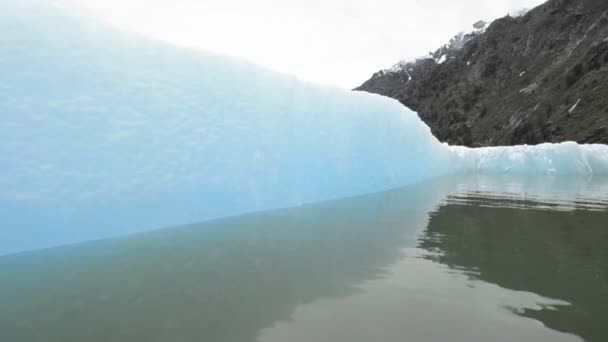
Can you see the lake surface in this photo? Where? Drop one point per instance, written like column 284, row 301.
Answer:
column 467, row 259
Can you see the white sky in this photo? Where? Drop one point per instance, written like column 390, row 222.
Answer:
column 337, row 42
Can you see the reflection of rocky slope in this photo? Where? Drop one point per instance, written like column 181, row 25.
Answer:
column 555, row 254
column 540, row 77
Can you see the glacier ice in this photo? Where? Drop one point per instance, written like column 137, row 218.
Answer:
column 106, row 133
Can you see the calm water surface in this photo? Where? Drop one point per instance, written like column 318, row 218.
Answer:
column 469, row 259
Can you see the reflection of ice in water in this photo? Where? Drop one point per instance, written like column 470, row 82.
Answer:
column 344, row 270
column 420, row 300
column 549, row 192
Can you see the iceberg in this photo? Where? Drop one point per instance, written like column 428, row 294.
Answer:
column 106, row 133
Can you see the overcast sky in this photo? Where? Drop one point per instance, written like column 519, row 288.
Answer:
column 338, row 42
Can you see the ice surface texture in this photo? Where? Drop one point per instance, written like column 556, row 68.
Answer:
column 105, row 133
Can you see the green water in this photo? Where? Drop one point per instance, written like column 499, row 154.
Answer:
column 471, row 259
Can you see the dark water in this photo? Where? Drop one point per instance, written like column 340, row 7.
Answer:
column 470, row 259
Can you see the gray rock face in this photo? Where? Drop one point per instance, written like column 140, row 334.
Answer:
column 480, row 24
column 540, row 77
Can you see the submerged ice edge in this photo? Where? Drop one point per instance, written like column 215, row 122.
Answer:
column 106, row 133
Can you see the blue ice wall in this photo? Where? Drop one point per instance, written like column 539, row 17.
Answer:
column 106, row 133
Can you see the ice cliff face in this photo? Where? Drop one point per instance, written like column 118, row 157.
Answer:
column 105, row 133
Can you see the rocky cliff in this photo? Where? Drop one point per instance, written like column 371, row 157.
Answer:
column 538, row 77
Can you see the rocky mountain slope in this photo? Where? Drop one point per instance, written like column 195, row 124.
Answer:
column 539, row 77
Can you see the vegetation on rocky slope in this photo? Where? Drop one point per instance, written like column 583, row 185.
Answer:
column 540, row 77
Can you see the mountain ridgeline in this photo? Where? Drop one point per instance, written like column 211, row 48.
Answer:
column 539, row 77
